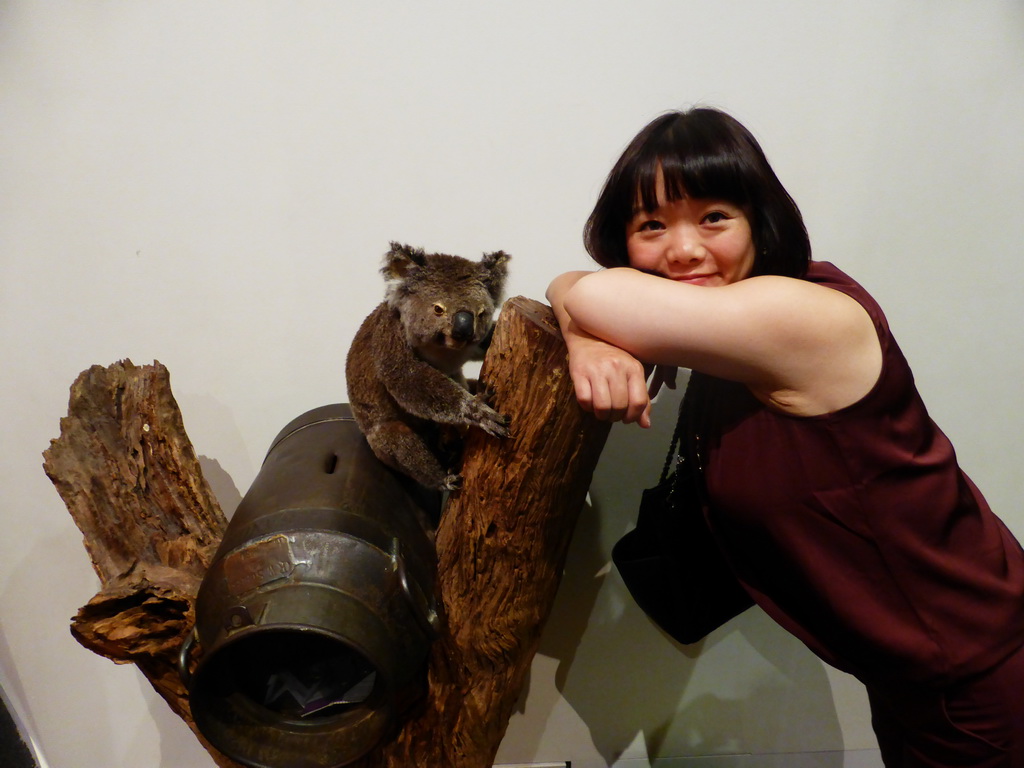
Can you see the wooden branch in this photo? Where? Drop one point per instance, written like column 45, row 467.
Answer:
column 130, row 479
column 126, row 471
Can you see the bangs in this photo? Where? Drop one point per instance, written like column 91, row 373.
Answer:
column 708, row 169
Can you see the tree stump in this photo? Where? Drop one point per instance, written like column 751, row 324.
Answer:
column 130, row 479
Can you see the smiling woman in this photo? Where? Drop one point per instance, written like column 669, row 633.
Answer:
column 694, row 199
column 837, row 502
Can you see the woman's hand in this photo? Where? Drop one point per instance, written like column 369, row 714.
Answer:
column 610, row 383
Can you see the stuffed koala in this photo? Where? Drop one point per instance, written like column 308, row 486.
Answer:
column 404, row 368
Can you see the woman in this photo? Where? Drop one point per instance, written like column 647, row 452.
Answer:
column 837, row 501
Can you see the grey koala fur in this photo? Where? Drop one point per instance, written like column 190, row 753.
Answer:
column 404, row 368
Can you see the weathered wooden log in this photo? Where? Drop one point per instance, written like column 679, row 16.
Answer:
column 130, row 479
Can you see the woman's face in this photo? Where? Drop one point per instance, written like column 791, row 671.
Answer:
column 692, row 240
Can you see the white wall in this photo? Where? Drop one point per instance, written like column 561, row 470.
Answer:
column 212, row 185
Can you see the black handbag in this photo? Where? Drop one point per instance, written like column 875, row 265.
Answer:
column 670, row 562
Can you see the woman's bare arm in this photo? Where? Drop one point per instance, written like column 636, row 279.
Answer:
column 802, row 348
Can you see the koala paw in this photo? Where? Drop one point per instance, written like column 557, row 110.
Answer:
column 452, row 483
column 488, row 419
column 481, row 391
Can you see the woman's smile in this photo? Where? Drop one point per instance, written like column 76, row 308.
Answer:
column 692, row 240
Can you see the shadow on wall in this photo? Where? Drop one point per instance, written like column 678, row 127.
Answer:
column 222, row 485
column 748, row 688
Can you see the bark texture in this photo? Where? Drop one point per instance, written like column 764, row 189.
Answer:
column 128, row 474
column 130, row 479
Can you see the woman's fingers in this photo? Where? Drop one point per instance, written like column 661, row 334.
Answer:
column 611, row 385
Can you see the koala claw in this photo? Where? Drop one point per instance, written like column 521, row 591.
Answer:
column 499, row 428
column 484, row 392
column 489, row 420
column 452, row 483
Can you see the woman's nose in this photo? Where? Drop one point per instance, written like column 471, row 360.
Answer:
column 686, row 247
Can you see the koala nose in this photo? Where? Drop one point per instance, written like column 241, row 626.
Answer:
column 462, row 326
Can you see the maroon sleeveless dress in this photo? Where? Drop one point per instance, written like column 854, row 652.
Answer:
column 857, row 530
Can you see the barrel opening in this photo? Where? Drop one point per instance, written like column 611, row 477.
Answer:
column 294, row 676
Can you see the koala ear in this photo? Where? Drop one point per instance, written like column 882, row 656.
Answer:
column 401, row 261
column 493, row 271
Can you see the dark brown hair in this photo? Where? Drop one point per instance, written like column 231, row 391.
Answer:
column 703, row 153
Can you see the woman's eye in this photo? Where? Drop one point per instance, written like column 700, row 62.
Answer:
column 650, row 225
column 714, row 217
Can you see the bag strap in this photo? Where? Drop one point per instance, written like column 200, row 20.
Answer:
column 685, row 447
column 684, row 426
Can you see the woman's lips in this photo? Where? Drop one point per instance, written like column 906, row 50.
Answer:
column 695, row 279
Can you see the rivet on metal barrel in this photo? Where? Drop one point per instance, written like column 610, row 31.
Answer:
column 315, row 618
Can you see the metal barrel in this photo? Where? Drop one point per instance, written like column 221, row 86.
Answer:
column 316, row 615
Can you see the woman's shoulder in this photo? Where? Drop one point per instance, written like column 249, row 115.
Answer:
column 829, row 275
column 821, row 340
